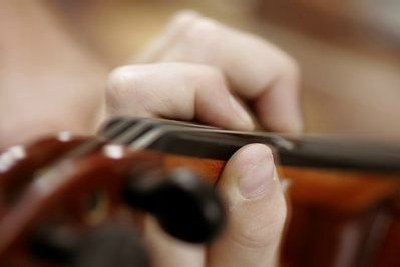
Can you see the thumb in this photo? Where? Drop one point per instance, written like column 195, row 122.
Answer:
column 256, row 210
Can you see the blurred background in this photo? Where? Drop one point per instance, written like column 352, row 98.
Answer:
column 348, row 50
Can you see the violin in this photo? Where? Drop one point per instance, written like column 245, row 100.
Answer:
column 60, row 195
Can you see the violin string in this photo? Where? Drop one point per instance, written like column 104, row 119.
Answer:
column 145, row 133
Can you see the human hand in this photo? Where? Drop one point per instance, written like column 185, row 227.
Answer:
column 194, row 88
column 229, row 63
column 202, row 70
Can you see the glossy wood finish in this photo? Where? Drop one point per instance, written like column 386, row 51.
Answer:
column 341, row 218
column 338, row 217
column 20, row 164
column 62, row 192
column 210, row 169
column 388, row 255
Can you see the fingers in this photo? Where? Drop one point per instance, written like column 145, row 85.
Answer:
column 176, row 91
column 257, row 210
column 165, row 251
column 257, row 70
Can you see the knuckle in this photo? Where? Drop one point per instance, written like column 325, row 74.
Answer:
column 283, row 63
column 121, row 82
column 204, row 26
column 213, row 80
column 115, row 81
column 207, row 77
column 182, row 18
column 214, row 75
column 117, row 78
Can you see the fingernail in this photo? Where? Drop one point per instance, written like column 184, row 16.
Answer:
column 242, row 113
column 256, row 179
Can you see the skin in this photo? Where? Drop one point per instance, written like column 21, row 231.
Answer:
column 242, row 83
column 48, row 81
column 180, row 77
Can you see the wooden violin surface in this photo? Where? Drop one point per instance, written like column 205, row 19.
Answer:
column 343, row 194
column 55, row 190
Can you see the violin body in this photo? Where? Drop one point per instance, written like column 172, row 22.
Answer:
column 344, row 203
column 50, row 185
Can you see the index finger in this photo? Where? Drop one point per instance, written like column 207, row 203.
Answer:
column 257, row 70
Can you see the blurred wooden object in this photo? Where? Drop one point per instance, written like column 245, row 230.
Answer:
column 341, row 218
column 389, row 254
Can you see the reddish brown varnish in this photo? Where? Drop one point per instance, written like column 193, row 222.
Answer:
column 210, row 169
column 342, row 218
column 338, row 217
column 37, row 156
column 62, row 192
